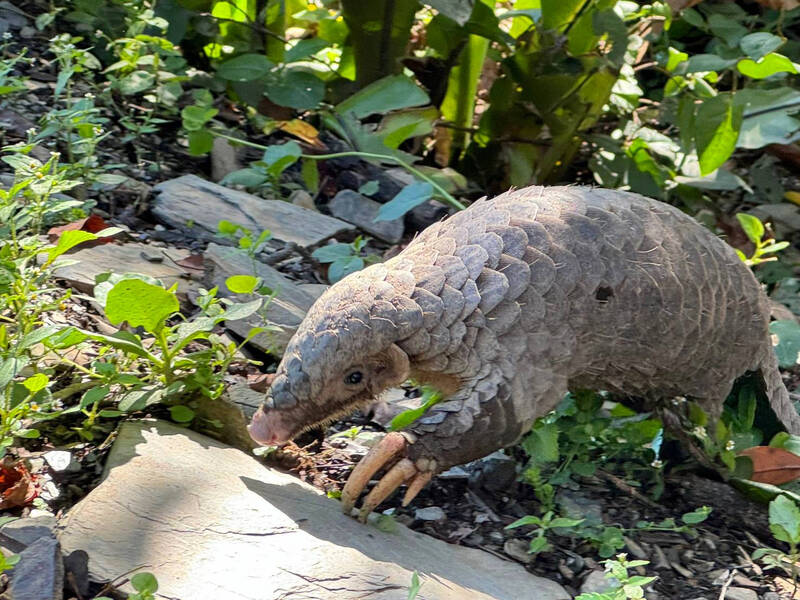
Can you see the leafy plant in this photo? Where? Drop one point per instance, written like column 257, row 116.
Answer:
column 784, row 523
column 343, row 259
column 624, row 586
column 755, row 231
column 543, row 525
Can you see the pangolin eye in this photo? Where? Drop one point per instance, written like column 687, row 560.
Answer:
column 353, row 378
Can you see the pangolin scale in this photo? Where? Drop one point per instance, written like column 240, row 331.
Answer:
column 515, row 300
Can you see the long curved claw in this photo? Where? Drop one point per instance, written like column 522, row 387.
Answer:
column 397, row 475
column 389, row 448
column 421, row 479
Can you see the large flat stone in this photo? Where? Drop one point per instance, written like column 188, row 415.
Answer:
column 212, row 522
column 284, row 313
column 196, row 206
column 126, row 258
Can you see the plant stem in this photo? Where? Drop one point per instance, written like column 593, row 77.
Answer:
column 445, row 195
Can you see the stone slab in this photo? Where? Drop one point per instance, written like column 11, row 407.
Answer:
column 212, row 522
column 196, row 207
column 126, row 258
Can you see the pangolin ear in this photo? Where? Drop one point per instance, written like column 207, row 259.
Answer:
column 392, row 367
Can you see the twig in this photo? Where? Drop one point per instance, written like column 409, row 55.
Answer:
column 726, row 585
column 628, row 489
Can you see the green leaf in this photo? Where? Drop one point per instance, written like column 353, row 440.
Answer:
column 305, row 48
column 413, row 589
column 195, row 117
column 249, row 178
column 527, row 520
column 93, row 396
column 297, row 89
column 784, row 520
column 565, row 522
column 786, row 341
column 541, row 444
column 457, row 10
column 707, row 62
column 332, row 252
column 140, row 304
column 757, row 45
column 767, row 116
column 717, row 128
column 369, row 188
column 343, row 267
column 245, row 67
column 67, row 241
column 752, row 226
column 241, row 310
column 144, row 583
column 696, row 516
column 406, row 199
column 200, row 142
column 407, row 417
column 36, row 382
column 181, row 414
column 136, row 82
column 279, row 157
column 767, row 66
column 242, row 284
column 387, row 94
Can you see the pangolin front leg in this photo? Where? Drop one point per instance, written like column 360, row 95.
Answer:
column 390, row 452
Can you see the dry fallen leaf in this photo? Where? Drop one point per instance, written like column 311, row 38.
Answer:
column 306, row 132
column 193, row 262
column 772, row 465
column 17, row 486
column 92, row 224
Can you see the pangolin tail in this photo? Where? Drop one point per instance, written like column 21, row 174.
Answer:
column 778, row 394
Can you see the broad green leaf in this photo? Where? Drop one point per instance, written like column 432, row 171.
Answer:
column 407, row 417
column 387, row 94
column 242, row 284
column 676, row 57
column 140, row 304
column 527, row 520
column 752, row 226
column 36, row 383
column 767, row 66
column 696, row 516
column 241, row 310
column 296, row 89
column 558, row 13
column 249, row 178
column 144, row 583
column 305, row 48
column 707, row 62
column 181, row 414
column 200, row 142
column 195, row 117
column 768, row 116
column 70, row 239
column 93, row 396
column 332, row 252
column 279, row 157
column 786, row 341
column 717, row 126
column 245, row 67
column 784, row 520
column 565, row 522
column 136, row 82
column 406, row 199
column 541, row 444
column 759, row 44
column 457, row 10
column 727, row 28
column 343, row 267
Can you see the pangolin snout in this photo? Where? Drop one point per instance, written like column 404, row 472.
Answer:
column 270, row 427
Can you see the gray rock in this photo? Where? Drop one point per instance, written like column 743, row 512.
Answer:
column 39, row 574
column 303, row 199
column 61, row 460
column 430, row 513
column 11, row 17
column 596, row 582
column 21, row 533
column 223, row 159
column 197, row 206
column 283, row 314
column 354, row 208
column 740, row 593
column 496, row 472
column 214, row 523
column 233, row 410
column 577, row 506
column 126, row 258
column 518, row 549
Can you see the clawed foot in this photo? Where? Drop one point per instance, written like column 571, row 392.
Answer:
column 384, row 453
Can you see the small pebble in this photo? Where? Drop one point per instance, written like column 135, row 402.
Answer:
column 61, row 460
column 496, row 537
column 518, row 549
column 430, row 513
column 596, row 582
column 739, row 593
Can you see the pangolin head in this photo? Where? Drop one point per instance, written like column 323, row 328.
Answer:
column 342, row 355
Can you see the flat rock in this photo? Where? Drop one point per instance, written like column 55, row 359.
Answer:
column 359, row 210
column 233, row 410
column 196, row 206
column 127, row 258
column 284, row 313
column 21, row 533
column 212, row 522
column 39, row 574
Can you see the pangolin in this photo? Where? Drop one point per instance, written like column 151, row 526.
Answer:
column 507, row 305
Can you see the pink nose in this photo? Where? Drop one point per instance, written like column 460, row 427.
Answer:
column 269, row 428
